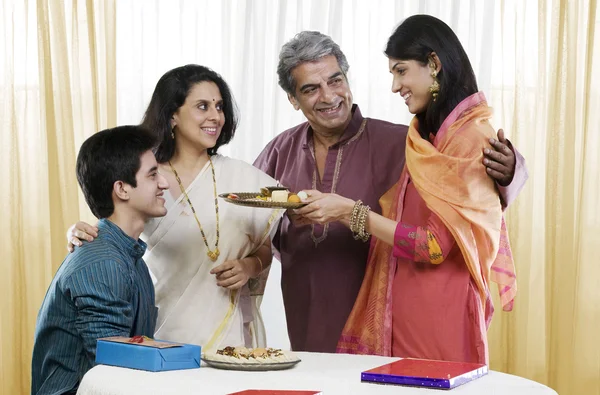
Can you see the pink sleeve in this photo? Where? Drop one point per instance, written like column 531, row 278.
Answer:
column 430, row 244
column 509, row 193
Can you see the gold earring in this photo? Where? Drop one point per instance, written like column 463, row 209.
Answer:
column 173, row 132
column 435, row 86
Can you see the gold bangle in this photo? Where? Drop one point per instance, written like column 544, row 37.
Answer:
column 363, row 230
column 360, row 223
column 354, row 217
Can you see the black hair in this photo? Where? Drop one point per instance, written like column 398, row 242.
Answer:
column 169, row 95
column 109, row 156
column 415, row 39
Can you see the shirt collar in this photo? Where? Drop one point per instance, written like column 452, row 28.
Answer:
column 351, row 130
column 135, row 248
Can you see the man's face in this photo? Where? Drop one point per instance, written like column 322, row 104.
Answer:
column 323, row 95
column 147, row 197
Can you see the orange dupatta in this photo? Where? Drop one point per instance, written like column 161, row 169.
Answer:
column 453, row 183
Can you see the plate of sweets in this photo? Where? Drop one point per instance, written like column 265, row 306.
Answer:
column 268, row 197
column 242, row 358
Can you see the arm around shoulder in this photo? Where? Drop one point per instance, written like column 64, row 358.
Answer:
column 509, row 193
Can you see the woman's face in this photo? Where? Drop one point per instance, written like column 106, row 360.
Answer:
column 200, row 119
column 412, row 80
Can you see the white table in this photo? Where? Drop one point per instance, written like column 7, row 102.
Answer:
column 329, row 373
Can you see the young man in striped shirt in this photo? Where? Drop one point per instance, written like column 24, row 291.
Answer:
column 103, row 288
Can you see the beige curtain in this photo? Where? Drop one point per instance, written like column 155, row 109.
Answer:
column 59, row 78
column 549, row 88
column 58, row 87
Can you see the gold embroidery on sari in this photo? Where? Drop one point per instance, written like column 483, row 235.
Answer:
column 219, row 332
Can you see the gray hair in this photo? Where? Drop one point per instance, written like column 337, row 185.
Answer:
column 306, row 46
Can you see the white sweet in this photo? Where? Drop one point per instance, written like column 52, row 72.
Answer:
column 302, row 195
column 279, row 196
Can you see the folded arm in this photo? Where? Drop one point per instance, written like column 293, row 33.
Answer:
column 234, row 274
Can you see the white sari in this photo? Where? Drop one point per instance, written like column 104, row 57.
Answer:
column 191, row 307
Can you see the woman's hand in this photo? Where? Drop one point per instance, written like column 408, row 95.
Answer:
column 235, row 274
column 80, row 231
column 323, row 208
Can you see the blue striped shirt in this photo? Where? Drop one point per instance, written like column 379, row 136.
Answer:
column 102, row 289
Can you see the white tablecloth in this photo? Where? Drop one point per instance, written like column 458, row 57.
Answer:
column 329, row 373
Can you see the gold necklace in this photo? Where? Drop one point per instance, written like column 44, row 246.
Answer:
column 213, row 255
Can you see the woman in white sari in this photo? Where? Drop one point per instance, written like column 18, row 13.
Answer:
column 209, row 259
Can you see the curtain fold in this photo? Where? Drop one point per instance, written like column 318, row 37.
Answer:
column 58, row 88
column 546, row 95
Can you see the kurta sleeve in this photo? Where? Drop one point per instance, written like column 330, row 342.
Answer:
column 427, row 244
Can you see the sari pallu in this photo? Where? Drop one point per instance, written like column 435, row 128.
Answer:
column 192, row 308
column 450, row 178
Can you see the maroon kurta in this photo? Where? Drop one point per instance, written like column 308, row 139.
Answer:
column 323, row 267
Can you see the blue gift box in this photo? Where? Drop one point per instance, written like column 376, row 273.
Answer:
column 154, row 359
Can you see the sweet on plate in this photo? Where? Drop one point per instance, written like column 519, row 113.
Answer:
column 243, row 355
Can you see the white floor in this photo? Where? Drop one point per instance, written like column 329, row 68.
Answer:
column 272, row 310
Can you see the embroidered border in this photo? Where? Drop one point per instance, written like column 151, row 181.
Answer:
column 219, row 332
column 336, row 174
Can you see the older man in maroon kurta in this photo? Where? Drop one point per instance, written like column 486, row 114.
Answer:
column 337, row 150
column 323, row 266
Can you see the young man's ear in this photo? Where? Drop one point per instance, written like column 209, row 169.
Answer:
column 294, row 102
column 121, row 190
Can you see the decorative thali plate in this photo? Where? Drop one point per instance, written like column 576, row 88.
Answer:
column 250, row 366
column 256, row 199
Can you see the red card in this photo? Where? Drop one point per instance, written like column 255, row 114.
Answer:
column 426, row 368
